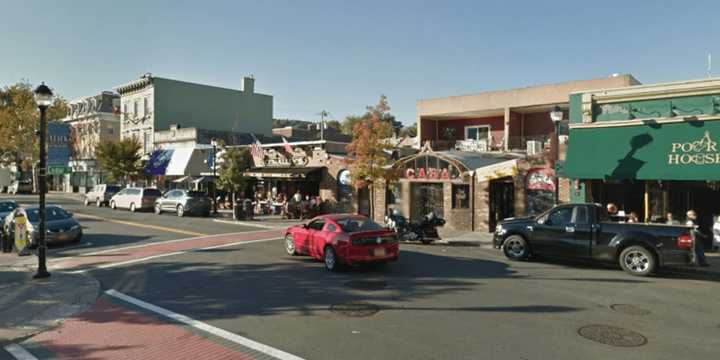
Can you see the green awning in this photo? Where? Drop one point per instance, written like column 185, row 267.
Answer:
column 650, row 151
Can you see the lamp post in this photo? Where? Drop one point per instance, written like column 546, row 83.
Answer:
column 214, row 169
column 556, row 115
column 43, row 98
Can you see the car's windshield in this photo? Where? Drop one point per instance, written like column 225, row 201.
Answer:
column 112, row 189
column 152, row 192
column 51, row 213
column 7, row 206
column 355, row 224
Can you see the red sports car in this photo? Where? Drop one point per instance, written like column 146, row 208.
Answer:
column 343, row 239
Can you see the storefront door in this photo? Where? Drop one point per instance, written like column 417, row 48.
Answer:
column 502, row 200
column 426, row 198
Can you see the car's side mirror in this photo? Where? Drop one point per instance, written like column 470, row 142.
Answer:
column 541, row 221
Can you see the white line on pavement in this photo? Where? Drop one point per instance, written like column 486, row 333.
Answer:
column 133, row 261
column 249, row 224
column 232, row 337
column 153, row 243
column 19, row 352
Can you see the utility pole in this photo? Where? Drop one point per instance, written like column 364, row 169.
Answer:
column 323, row 114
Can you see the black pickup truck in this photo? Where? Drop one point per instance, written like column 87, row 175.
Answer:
column 584, row 231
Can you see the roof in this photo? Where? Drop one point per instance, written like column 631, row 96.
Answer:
column 284, row 172
column 468, row 159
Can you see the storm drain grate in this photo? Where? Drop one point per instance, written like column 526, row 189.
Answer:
column 366, row 284
column 355, row 309
column 629, row 309
column 611, row 335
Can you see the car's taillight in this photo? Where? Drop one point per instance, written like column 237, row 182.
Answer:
column 684, row 241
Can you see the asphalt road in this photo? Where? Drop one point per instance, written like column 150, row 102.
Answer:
column 436, row 302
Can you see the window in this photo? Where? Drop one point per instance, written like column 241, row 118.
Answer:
column 560, row 217
column 147, row 142
column 316, row 225
column 580, row 215
column 460, row 196
column 125, row 112
column 151, row 192
column 478, row 132
column 331, row 228
column 135, row 109
column 357, row 223
column 146, row 107
column 392, row 194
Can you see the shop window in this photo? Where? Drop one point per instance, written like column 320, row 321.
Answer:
column 392, row 194
column 460, row 196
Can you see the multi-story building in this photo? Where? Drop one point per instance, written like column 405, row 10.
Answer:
column 92, row 120
column 152, row 104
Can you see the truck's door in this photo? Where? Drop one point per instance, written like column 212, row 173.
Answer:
column 582, row 222
column 554, row 234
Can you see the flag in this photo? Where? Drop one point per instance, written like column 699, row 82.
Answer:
column 256, row 149
column 287, row 146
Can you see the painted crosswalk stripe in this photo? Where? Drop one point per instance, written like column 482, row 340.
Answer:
column 19, row 352
column 229, row 336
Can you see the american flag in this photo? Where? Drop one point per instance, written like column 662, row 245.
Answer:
column 287, row 146
column 256, row 148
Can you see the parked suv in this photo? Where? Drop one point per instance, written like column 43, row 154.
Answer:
column 101, row 194
column 20, row 187
column 135, row 198
column 184, row 202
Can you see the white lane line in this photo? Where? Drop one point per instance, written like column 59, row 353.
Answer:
column 232, row 337
column 134, row 261
column 249, row 224
column 99, row 252
column 19, row 352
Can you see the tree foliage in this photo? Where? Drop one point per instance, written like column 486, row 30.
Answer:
column 410, row 131
column 19, row 122
column 120, row 160
column 381, row 111
column 234, row 162
column 367, row 150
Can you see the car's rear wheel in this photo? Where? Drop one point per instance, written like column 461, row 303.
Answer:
column 330, row 259
column 86, row 202
column 132, row 207
column 158, row 209
column 638, row 261
column 113, row 205
column 98, row 203
column 516, row 248
column 290, row 245
column 180, row 211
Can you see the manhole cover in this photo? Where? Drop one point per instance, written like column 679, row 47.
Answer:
column 629, row 309
column 366, row 284
column 611, row 335
column 355, row 309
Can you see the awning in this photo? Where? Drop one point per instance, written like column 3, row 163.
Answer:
column 310, row 173
column 158, row 162
column 182, row 179
column 652, row 151
column 179, row 162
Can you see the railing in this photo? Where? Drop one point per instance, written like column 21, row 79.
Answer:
column 517, row 143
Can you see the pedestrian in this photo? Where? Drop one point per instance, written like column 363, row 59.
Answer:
column 612, row 211
column 633, row 217
column 698, row 250
column 670, row 220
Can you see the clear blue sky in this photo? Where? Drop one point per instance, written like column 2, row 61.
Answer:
column 341, row 55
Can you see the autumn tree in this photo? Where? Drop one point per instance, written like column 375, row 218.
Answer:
column 19, row 121
column 232, row 164
column 381, row 111
column 370, row 164
column 120, row 160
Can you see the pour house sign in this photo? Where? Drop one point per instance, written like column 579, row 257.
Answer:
column 699, row 152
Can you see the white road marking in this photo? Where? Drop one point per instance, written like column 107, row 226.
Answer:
column 134, row 261
column 249, row 224
column 151, row 244
column 229, row 336
column 19, row 352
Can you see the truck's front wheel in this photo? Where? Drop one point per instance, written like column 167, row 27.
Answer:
column 516, row 248
column 638, row 261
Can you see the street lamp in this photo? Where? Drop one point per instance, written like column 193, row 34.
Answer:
column 43, row 98
column 556, row 115
column 214, row 169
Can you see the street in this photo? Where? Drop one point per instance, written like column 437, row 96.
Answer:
column 241, row 291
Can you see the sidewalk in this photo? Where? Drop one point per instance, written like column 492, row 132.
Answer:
column 30, row 306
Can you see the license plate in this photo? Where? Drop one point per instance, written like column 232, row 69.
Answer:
column 379, row 252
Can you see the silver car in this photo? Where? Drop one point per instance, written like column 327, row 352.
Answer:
column 60, row 225
column 100, row 194
column 183, row 202
column 135, row 198
column 20, row 187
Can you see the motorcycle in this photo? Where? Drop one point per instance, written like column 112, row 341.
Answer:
column 424, row 231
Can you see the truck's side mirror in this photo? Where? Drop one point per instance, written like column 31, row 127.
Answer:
column 541, row 221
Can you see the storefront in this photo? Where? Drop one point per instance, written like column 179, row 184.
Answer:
column 472, row 191
column 649, row 149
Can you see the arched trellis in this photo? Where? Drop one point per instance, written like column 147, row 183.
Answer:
column 430, row 165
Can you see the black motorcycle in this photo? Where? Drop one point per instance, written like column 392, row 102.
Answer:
column 424, row 231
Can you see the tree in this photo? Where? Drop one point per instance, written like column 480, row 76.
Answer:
column 348, row 125
column 370, row 163
column 334, row 124
column 119, row 159
column 19, row 121
column 381, row 111
column 233, row 163
column 410, row 131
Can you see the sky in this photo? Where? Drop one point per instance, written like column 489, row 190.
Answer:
column 340, row 56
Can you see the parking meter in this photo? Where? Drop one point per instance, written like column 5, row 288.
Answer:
column 21, row 233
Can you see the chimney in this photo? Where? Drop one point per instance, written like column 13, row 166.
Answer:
column 249, row 84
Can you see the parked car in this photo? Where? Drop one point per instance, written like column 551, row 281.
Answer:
column 60, row 225
column 716, row 234
column 135, row 198
column 183, row 202
column 343, row 239
column 100, row 194
column 7, row 207
column 20, row 187
column 584, row 231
